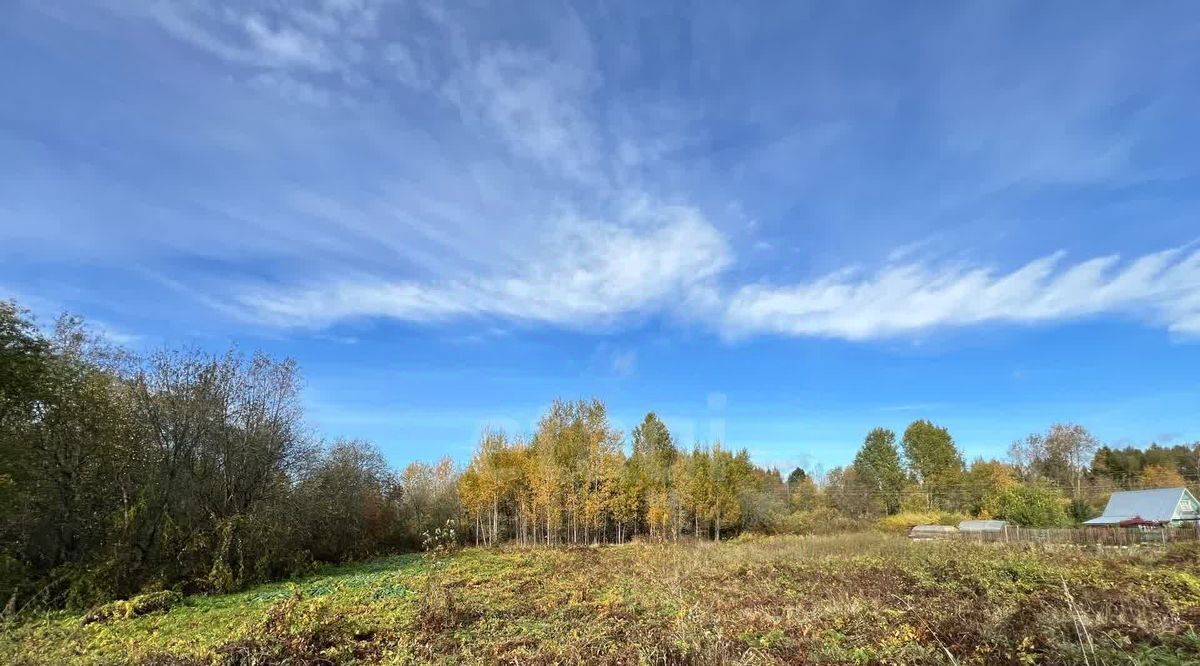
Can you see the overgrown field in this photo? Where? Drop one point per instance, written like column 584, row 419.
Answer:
column 846, row 599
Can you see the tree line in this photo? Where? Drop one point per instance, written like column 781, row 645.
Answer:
column 572, row 483
column 1057, row 478
column 179, row 469
column 190, row 470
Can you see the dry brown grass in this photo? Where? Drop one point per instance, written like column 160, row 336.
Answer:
column 861, row 598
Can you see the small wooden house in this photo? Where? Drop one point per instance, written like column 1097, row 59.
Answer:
column 1161, row 507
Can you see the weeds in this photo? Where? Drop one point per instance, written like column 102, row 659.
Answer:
column 858, row 598
column 144, row 604
column 439, row 609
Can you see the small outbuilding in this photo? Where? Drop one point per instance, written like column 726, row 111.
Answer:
column 1159, row 508
column 930, row 532
column 986, row 529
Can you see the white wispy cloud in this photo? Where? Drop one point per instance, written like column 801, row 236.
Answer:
column 599, row 274
column 46, row 312
column 1161, row 288
column 593, row 266
column 587, row 273
column 116, row 335
column 523, row 172
column 534, row 104
column 603, row 246
column 286, row 46
column 624, row 363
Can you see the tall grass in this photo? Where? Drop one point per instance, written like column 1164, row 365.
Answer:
column 848, row 598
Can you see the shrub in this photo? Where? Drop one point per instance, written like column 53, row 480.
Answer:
column 143, row 604
column 12, row 576
column 818, row 521
column 1032, row 505
column 301, row 631
column 1079, row 511
column 438, row 604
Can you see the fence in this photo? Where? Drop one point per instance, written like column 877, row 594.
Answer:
column 1105, row 536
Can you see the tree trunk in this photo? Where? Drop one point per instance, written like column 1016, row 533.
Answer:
column 495, row 521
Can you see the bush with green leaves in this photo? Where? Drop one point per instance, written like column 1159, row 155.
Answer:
column 143, row 604
column 1031, row 505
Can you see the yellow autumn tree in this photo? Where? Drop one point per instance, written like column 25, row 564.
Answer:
column 1161, row 476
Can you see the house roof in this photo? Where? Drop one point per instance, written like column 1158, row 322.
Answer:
column 1114, row 520
column 1151, row 506
column 1106, row 520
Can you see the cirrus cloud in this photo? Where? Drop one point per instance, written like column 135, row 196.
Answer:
column 586, row 273
column 430, row 163
column 1162, row 287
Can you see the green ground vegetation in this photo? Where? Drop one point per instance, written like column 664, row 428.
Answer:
column 843, row 599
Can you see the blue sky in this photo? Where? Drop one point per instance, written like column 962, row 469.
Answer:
column 779, row 226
